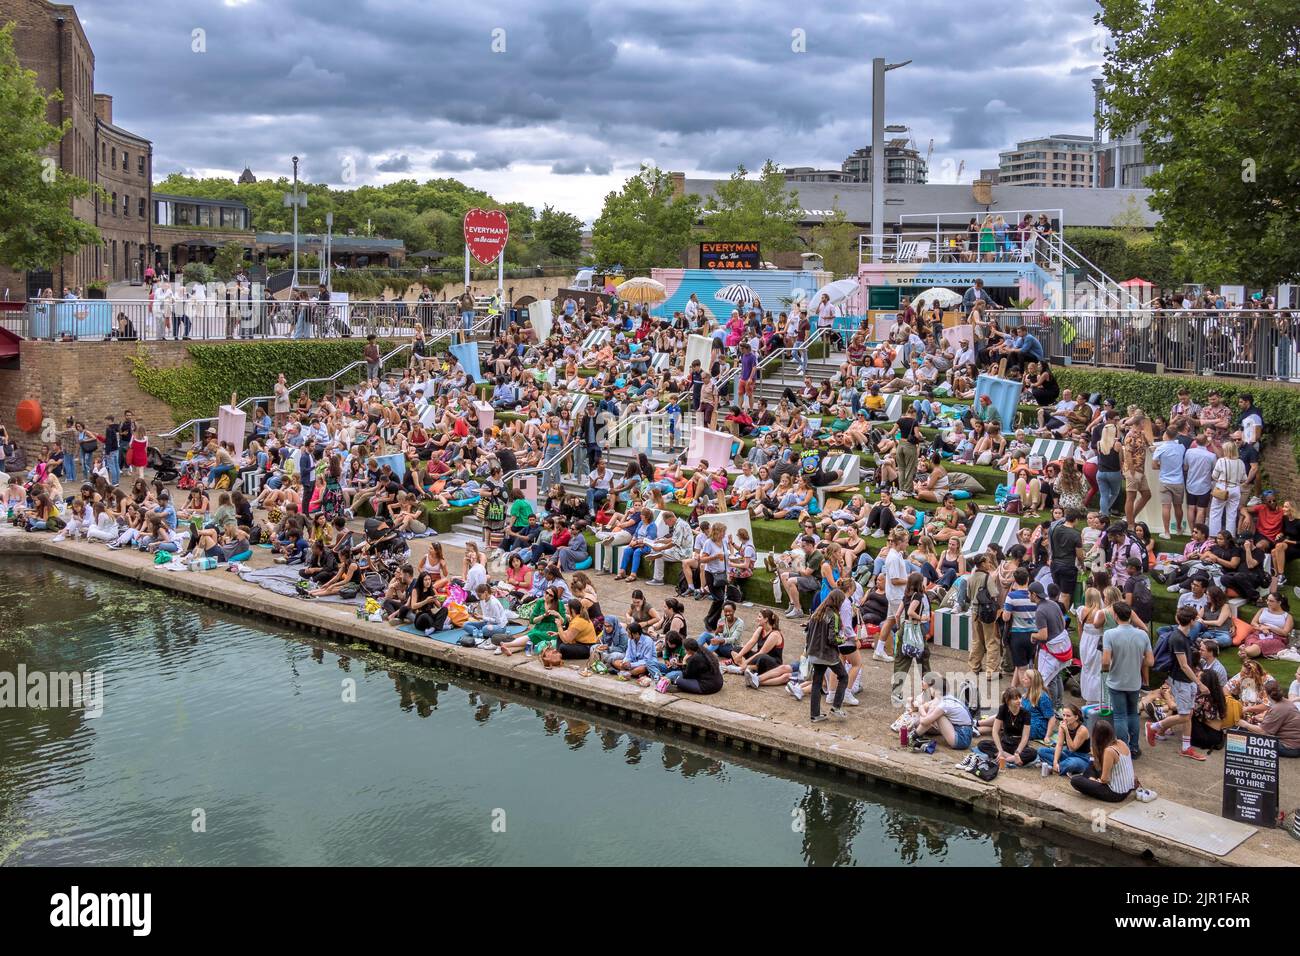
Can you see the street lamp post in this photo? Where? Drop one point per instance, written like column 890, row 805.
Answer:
column 878, row 70
column 294, row 200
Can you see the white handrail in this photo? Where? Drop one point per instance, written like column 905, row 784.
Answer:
column 383, row 360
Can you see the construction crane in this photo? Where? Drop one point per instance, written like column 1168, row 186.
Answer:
column 929, row 152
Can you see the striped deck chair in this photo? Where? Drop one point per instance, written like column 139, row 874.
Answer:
column 893, row 408
column 990, row 529
column 595, row 340
column 1050, row 449
column 850, row 468
column 660, row 361
column 253, row 481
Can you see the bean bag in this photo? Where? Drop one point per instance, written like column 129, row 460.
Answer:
column 464, row 502
column 584, row 564
column 961, row 494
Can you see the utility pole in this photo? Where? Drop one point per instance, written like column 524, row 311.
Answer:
column 329, row 251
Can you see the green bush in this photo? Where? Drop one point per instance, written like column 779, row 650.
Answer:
column 197, row 389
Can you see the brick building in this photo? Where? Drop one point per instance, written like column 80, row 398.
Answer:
column 50, row 41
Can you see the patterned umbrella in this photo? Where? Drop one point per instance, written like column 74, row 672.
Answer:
column 736, row 294
column 641, row 290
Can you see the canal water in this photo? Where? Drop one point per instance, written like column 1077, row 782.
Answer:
column 224, row 741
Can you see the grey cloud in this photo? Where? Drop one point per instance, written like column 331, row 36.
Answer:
column 394, row 164
column 695, row 87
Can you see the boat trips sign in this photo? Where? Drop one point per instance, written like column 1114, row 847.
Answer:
column 1250, row 778
column 742, row 256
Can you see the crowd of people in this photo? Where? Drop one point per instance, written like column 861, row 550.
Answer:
column 869, row 563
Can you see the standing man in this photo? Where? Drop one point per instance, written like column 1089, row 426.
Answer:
column 1198, row 463
column 494, row 312
column 373, row 368
column 1126, row 659
column 111, row 439
column 1168, row 457
column 71, row 450
column 1066, row 546
column 975, row 294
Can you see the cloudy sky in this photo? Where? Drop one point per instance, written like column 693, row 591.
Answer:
column 552, row 101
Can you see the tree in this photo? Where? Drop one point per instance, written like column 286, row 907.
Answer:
column 560, row 233
column 228, row 261
column 1215, row 85
column 37, row 226
column 836, row 241
column 745, row 210
column 644, row 224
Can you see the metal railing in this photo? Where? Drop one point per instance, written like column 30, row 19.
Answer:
column 550, row 467
column 225, row 317
column 798, row 352
column 1237, row 343
column 957, row 246
column 253, row 401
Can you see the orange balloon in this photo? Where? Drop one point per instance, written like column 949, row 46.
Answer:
column 29, row 415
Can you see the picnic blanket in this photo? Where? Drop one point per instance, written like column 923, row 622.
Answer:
column 283, row 579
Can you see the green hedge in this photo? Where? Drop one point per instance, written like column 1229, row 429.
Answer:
column 198, row 388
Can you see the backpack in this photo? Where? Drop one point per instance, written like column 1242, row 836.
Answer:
column 1164, row 654
column 985, row 606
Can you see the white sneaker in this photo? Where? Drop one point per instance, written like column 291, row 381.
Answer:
column 1144, row 795
column 851, row 700
column 793, row 612
column 57, row 538
column 877, row 533
column 753, row 680
column 838, row 713
column 1164, row 536
column 732, row 669
column 795, row 689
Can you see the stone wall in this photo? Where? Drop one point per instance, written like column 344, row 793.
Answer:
column 84, row 380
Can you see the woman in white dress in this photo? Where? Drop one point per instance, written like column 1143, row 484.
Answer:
column 1091, row 619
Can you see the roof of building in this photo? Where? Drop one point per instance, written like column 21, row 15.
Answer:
column 123, row 133
column 1081, row 206
column 357, row 244
column 247, row 176
column 202, row 200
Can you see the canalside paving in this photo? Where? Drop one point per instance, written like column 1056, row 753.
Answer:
column 767, row 721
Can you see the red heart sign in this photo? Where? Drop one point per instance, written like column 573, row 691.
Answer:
column 486, row 233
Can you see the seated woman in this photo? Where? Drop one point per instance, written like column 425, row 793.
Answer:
column 949, row 716
column 1213, row 713
column 760, row 657
column 1215, row 615
column 518, row 580
column 1070, row 755
column 1109, row 776
column 578, row 637
column 546, row 619
column 1029, row 489
column 883, row 517
column 933, row 486
column 489, row 620
column 1270, row 628
column 573, row 552
column 700, row 672
column 352, row 566
column 1010, row 732
column 1250, row 687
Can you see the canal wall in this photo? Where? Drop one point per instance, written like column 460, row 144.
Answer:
column 1020, row 799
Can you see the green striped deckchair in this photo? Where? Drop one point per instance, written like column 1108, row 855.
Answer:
column 990, row 529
